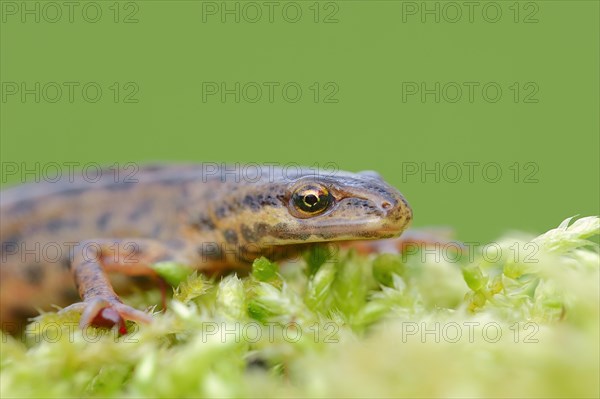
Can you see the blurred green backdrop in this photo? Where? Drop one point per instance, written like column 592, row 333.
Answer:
column 462, row 91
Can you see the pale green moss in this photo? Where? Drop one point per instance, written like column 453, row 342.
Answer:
column 522, row 324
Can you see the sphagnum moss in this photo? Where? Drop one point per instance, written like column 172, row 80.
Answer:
column 523, row 325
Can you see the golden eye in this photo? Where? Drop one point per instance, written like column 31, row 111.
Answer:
column 312, row 199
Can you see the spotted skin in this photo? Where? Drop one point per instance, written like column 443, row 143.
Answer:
column 61, row 236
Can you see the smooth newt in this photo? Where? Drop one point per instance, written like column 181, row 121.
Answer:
column 52, row 234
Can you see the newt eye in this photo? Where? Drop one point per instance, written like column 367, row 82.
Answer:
column 312, row 199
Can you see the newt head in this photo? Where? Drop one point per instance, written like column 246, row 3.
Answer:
column 312, row 207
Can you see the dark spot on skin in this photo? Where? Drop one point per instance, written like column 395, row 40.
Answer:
column 268, row 200
column 23, row 207
column 203, row 223
column 261, row 230
column 34, row 273
column 280, row 227
column 176, row 244
column 248, row 234
column 144, row 208
column 173, row 181
column 153, row 168
column 326, row 236
column 280, row 230
column 210, row 251
column 102, row 221
column 281, row 198
column 368, row 234
column 157, row 229
column 221, row 212
column 11, row 244
column 73, row 192
column 371, row 210
column 230, row 236
column 65, row 263
column 366, row 206
column 251, row 202
column 56, row 225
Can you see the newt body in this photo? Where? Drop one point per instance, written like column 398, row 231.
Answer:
column 54, row 233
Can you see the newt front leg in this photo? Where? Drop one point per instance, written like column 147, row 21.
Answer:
column 91, row 260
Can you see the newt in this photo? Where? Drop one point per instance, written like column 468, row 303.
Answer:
column 59, row 239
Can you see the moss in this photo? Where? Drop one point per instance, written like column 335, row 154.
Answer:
column 523, row 324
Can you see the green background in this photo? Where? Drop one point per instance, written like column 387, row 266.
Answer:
column 369, row 54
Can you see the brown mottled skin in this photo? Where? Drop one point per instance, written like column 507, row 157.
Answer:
column 212, row 219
